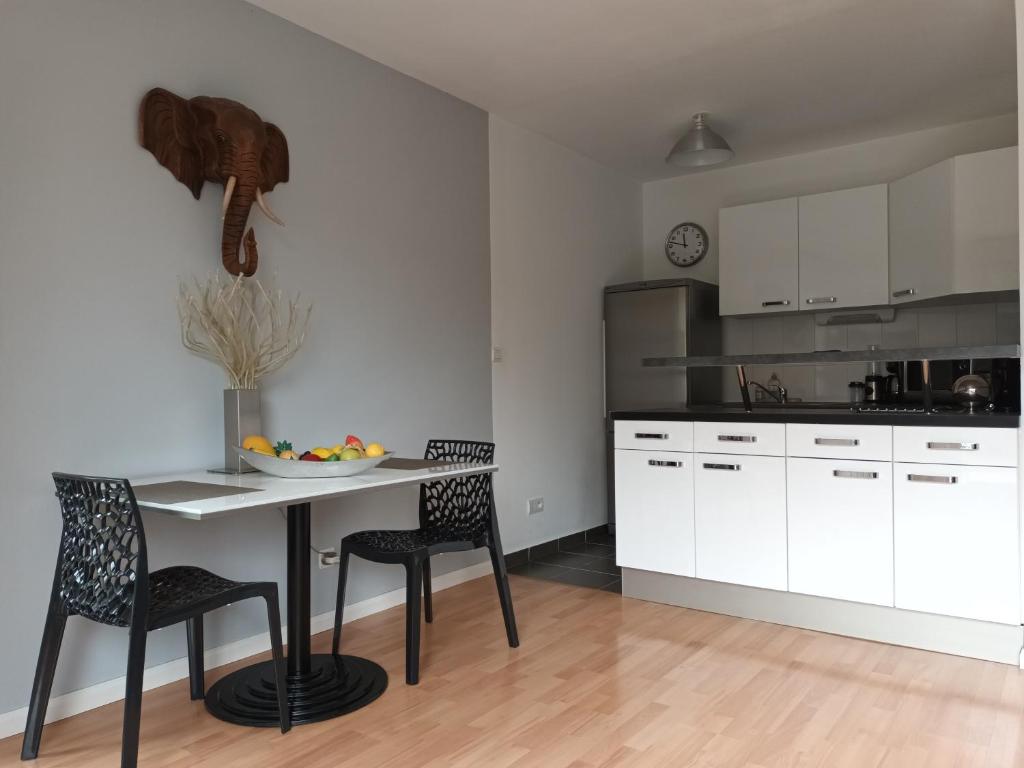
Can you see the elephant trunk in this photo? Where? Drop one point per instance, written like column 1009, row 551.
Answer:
column 235, row 218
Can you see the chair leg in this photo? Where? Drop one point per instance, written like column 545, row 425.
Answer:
column 428, row 593
column 280, row 672
column 339, row 609
column 133, row 697
column 196, row 672
column 413, row 587
column 504, row 594
column 49, row 650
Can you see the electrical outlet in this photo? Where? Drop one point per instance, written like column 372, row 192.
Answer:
column 535, row 505
column 328, row 557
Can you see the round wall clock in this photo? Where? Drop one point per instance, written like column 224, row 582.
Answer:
column 686, row 244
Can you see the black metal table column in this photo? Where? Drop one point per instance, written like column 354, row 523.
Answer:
column 320, row 686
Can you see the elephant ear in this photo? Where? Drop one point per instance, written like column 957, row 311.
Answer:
column 274, row 162
column 167, row 128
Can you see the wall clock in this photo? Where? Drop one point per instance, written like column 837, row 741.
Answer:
column 686, row 244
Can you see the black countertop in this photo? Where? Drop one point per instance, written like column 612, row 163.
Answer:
column 796, row 413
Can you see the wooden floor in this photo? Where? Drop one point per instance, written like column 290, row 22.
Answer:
column 601, row 681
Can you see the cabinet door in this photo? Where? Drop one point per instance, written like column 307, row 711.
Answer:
column 654, row 511
column 758, row 258
column 740, row 511
column 985, row 221
column 844, row 248
column 921, row 235
column 956, row 541
column 840, row 529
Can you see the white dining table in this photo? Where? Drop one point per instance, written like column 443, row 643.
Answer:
column 320, row 686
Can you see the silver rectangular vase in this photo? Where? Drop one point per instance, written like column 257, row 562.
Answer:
column 241, row 419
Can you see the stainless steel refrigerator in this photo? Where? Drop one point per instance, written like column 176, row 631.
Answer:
column 658, row 318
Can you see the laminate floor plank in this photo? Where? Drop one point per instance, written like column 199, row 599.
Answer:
column 599, row 682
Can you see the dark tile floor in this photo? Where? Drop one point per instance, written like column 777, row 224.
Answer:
column 584, row 561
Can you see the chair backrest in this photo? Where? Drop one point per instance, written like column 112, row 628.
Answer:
column 102, row 565
column 461, row 507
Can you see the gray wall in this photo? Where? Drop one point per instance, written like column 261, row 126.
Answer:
column 387, row 215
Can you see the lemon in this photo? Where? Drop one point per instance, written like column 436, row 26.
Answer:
column 258, row 443
column 374, row 450
column 338, row 449
column 323, row 453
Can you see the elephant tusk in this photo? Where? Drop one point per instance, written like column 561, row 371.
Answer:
column 266, row 208
column 229, row 190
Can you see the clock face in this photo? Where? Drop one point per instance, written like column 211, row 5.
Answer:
column 686, row 244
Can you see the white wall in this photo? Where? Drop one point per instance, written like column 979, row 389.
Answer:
column 562, row 227
column 387, row 213
column 698, row 196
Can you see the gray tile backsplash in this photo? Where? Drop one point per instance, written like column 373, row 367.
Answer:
column 989, row 323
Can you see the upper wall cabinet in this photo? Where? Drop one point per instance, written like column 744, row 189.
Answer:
column 953, row 228
column 844, row 248
column 758, row 258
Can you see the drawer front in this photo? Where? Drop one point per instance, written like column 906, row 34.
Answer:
column 957, row 541
column 979, row 446
column 654, row 435
column 839, row 441
column 840, row 529
column 752, row 439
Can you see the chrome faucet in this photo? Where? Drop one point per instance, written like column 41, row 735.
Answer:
column 782, row 396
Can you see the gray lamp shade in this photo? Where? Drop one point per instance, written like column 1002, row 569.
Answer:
column 700, row 146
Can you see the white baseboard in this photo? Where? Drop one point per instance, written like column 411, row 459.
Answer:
column 97, row 695
column 930, row 632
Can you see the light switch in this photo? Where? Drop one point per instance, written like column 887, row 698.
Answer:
column 497, row 354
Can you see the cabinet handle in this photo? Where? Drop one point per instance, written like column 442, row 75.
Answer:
column 953, row 446
column 737, row 438
column 904, row 292
column 940, row 479
column 650, row 435
column 660, row 463
column 845, row 441
column 823, row 300
column 850, row 474
column 727, row 467
column 776, row 303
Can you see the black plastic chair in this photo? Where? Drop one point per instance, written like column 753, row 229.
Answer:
column 456, row 515
column 103, row 575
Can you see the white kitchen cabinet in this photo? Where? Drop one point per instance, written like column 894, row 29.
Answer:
column 840, row 529
column 956, row 541
column 756, row 438
column 654, row 511
column 844, row 248
column 758, row 258
column 740, row 513
column 953, row 228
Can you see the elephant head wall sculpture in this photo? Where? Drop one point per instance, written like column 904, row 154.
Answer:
column 218, row 140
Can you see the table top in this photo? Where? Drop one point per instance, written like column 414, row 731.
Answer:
column 257, row 489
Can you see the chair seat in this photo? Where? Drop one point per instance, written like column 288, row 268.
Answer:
column 411, row 540
column 177, row 592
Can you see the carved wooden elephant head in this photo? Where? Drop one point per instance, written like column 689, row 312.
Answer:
column 218, row 140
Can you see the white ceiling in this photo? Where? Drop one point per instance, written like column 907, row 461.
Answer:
column 617, row 80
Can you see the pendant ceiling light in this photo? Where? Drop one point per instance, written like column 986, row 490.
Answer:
column 700, row 146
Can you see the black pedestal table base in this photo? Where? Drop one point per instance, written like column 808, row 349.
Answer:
column 335, row 685
column 319, row 687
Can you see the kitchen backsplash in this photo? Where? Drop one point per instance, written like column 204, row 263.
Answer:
column 990, row 323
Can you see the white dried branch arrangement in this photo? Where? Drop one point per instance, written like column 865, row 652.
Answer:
column 240, row 325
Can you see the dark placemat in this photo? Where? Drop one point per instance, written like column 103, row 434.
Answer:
column 412, row 464
column 178, row 491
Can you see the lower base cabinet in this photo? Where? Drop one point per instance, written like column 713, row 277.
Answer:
column 740, row 513
column 840, row 529
column 654, row 511
column 957, row 541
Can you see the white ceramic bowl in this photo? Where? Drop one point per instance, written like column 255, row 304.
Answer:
column 307, row 469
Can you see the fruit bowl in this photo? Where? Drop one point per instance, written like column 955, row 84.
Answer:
column 308, row 469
